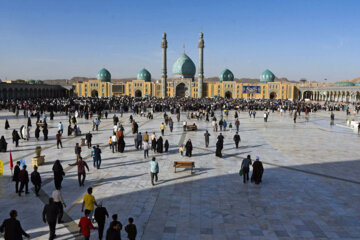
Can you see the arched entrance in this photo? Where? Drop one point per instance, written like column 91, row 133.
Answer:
column 308, row 95
column 138, row 93
column 273, row 95
column 94, row 93
column 181, row 90
column 228, row 95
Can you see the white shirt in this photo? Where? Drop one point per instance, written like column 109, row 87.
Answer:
column 113, row 139
column 146, row 145
column 56, row 195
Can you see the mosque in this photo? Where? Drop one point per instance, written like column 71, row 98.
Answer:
column 184, row 83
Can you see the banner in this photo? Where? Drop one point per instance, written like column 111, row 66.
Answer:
column 1, row 168
column 251, row 89
column 22, row 163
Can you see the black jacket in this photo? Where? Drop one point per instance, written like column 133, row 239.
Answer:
column 112, row 234
column 50, row 212
column 16, row 173
column 131, row 231
column 100, row 214
column 35, row 178
column 13, row 229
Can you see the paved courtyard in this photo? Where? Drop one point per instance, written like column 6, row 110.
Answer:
column 310, row 189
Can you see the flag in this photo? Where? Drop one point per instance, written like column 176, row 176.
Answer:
column 1, row 168
column 11, row 162
column 22, row 163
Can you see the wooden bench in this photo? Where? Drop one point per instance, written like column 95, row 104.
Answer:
column 187, row 164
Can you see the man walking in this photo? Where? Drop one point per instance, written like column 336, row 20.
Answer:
column 100, row 217
column 237, row 139
column 85, row 225
column 81, row 165
column 49, row 215
column 24, row 181
column 162, row 128
column 59, row 202
column 12, row 227
column 237, row 125
column 146, row 147
column 58, row 140
column 113, row 143
column 154, row 170
column 131, row 229
column 88, row 139
column 207, row 138
column 245, row 166
column 61, row 127
column 89, row 202
column 97, row 154
column 36, row 180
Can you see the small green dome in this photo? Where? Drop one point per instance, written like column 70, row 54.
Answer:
column 184, row 66
column 31, row 81
column 226, row 76
column 267, row 76
column 344, row 84
column 39, row 82
column 144, row 75
column 104, row 75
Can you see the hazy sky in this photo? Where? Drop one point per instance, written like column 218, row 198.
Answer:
column 314, row 39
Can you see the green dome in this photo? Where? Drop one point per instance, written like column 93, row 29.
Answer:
column 344, row 84
column 31, row 81
column 357, row 84
column 226, row 76
column 144, row 75
column 184, row 66
column 267, row 76
column 104, row 75
column 39, row 82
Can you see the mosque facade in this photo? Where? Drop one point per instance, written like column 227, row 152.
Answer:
column 185, row 83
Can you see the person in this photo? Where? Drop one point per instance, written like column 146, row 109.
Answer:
column 97, row 155
column 100, row 217
column 146, row 147
column 7, row 125
column 166, row 145
column 153, row 142
column 59, row 202
column 237, row 125
column 245, row 166
column 258, row 171
column 37, row 133
column 224, row 124
column 154, row 170
column 138, row 141
column 219, row 147
column 70, row 130
column 159, row 145
column 121, row 144
column 36, row 180
column 88, row 139
column 181, row 150
column 58, row 140
column 45, row 132
column 295, row 115
column 113, row 143
column 58, row 173
column 24, row 180
column 189, row 148
column 230, row 127
column 130, row 229
column 113, row 233
column 171, row 125
column 77, row 150
column 81, row 165
column 110, row 142
column 184, row 125
column 3, row 144
column 12, row 228
column 265, row 117
column 146, row 137
column 85, row 225
column 49, row 215
column 162, row 128
column 207, row 138
column 89, row 201
column 92, row 154
column 15, row 177
column 61, row 127
column 237, row 139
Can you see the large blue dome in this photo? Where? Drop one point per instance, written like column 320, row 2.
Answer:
column 226, row 76
column 267, row 76
column 104, row 75
column 144, row 75
column 184, row 66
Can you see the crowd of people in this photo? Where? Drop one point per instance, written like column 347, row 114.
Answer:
column 95, row 109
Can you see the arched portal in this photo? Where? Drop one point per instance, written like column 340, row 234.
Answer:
column 308, row 95
column 94, row 93
column 138, row 93
column 228, row 95
column 273, row 95
column 181, row 90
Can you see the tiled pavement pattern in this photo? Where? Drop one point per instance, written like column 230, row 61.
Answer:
column 212, row 203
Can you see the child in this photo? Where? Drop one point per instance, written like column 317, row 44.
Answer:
column 93, row 154
column 131, row 229
column 110, row 143
column 230, row 127
column 85, row 225
column 181, row 150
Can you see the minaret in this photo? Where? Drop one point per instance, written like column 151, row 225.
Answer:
column 164, row 69
column 201, row 65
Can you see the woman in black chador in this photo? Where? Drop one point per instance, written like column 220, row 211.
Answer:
column 159, row 145
column 121, row 144
column 189, row 148
column 7, row 125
